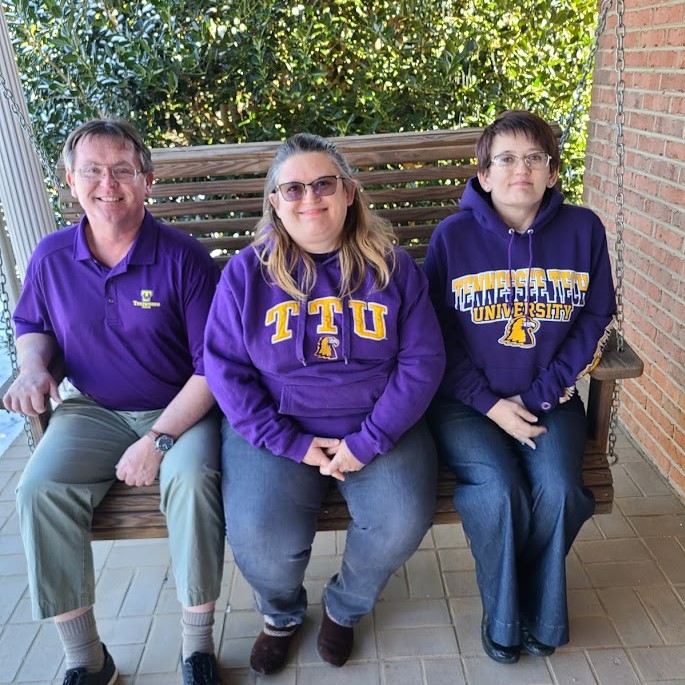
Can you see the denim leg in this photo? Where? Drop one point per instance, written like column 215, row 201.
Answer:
column 560, row 506
column 493, row 501
column 521, row 510
column 190, row 488
column 391, row 503
column 65, row 479
column 271, row 504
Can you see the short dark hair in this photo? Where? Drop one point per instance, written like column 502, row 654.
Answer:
column 117, row 129
column 518, row 122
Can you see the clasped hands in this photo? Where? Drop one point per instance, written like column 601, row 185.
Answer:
column 511, row 415
column 332, row 456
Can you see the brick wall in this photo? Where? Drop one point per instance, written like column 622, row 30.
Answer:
column 653, row 406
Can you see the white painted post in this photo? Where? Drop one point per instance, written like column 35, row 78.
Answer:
column 24, row 198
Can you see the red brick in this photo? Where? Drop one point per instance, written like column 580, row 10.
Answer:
column 675, row 36
column 668, row 236
column 675, row 150
column 668, row 14
column 642, row 121
column 664, row 169
column 677, row 103
column 639, row 16
column 665, row 321
column 646, row 80
column 670, row 193
column 649, row 38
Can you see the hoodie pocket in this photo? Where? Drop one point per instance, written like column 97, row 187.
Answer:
column 329, row 398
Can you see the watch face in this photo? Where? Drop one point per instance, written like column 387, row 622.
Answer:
column 164, row 443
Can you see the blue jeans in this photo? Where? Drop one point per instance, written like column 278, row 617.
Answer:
column 271, row 505
column 521, row 510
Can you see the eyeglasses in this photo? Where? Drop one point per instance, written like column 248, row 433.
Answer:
column 96, row 172
column 534, row 161
column 294, row 190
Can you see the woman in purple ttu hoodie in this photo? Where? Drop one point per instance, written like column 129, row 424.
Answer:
column 523, row 289
column 324, row 351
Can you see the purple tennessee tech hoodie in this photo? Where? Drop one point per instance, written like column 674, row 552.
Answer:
column 520, row 313
column 363, row 368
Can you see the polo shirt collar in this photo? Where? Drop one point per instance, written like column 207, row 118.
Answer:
column 143, row 250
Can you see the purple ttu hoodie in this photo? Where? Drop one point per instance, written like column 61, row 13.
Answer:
column 521, row 314
column 363, row 368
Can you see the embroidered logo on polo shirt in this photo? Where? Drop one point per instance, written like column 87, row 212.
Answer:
column 146, row 301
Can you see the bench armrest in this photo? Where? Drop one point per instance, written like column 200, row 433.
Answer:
column 614, row 364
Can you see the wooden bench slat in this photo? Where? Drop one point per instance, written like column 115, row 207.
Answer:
column 127, row 509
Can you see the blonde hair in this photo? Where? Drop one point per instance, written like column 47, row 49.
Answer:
column 367, row 239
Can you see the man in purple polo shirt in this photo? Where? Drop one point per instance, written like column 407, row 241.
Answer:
column 124, row 298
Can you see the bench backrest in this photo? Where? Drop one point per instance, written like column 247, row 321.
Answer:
column 215, row 192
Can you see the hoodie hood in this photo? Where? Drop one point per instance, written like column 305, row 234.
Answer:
column 478, row 202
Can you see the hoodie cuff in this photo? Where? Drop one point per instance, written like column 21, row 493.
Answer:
column 297, row 449
column 361, row 447
column 537, row 404
column 485, row 402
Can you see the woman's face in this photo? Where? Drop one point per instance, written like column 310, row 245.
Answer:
column 314, row 222
column 516, row 189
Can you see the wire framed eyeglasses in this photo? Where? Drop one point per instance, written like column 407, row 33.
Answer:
column 292, row 191
column 534, row 161
column 96, row 172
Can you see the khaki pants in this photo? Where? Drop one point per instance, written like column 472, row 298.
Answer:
column 69, row 474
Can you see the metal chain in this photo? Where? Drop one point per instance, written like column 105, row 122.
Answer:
column 620, row 219
column 11, row 342
column 48, row 167
column 577, row 97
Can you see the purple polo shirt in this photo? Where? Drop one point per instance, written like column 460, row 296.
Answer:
column 131, row 335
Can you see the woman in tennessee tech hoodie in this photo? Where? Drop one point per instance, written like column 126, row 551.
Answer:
column 523, row 289
column 324, row 351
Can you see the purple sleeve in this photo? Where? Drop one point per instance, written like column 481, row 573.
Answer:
column 31, row 314
column 462, row 380
column 235, row 381
column 419, row 367
column 583, row 342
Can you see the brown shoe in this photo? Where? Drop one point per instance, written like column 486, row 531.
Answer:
column 270, row 650
column 334, row 641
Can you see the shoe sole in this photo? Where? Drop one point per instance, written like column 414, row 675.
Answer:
column 114, row 677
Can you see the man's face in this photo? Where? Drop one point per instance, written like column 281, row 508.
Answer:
column 109, row 203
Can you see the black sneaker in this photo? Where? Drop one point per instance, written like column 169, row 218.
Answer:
column 107, row 676
column 201, row 668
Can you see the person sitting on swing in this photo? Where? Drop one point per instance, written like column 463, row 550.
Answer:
column 523, row 289
column 323, row 350
column 124, row 299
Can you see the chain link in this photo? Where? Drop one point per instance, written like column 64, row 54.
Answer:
column 9, row 337
column 577, row 97
column 620, row 218
column 48, row 168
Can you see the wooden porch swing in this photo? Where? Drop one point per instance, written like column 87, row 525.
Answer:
column 415, row 180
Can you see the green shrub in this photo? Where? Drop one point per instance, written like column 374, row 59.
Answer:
column 192, row 72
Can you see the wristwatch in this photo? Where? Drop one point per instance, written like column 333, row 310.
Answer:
column 163, row 442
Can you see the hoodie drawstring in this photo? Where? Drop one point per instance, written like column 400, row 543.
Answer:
column 510, row 270
column 301, row 323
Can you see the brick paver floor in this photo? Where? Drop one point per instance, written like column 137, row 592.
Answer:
column 626, row 587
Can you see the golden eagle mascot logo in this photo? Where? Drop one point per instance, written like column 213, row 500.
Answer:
column 326, row 347
column 520, row 332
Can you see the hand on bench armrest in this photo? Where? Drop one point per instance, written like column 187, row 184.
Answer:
column 22, row 394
